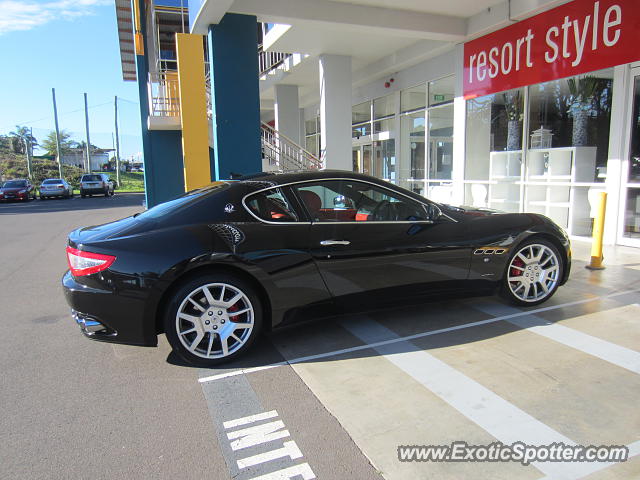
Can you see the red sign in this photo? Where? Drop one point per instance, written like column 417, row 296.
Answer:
column 579, row 37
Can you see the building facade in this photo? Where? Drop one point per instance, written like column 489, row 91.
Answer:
column 517, row 105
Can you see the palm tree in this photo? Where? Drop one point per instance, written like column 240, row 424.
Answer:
column 582, row 92
column 513, row 107
column 21, row 137
column 23, row 143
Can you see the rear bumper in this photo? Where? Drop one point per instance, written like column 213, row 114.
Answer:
column 53, row 193
column 106, row 316
column 93, row 190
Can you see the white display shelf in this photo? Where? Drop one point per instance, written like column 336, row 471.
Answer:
column 548, row 183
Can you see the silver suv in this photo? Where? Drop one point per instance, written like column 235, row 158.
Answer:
column 96, row 184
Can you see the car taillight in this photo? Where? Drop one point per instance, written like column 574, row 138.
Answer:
column 85, row 263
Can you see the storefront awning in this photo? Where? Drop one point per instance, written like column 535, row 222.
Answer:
column 124, row 18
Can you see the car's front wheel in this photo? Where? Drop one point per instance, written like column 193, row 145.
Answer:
column 533, row 273
column 212, row 319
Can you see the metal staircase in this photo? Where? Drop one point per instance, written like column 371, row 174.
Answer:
column 281, row 154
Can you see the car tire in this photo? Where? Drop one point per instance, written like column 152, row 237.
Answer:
column 212, row 324
column 533, row 273
column 42, row 197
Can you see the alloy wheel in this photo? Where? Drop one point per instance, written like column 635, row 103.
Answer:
column 214, row 320
column 533, row 273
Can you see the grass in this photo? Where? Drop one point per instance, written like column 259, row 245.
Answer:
column 129, row 181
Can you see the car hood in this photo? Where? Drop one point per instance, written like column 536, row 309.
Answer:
column 469, row 212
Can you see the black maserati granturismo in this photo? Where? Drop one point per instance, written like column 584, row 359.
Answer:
column 216, row 266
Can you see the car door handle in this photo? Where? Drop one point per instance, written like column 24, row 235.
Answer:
column 326, row 243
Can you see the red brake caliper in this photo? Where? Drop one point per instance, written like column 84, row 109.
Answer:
column 233, row 308
column 517, row 262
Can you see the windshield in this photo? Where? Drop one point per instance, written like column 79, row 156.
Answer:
column 15, row 184
column 180, row 203
column 52, row 181
column 91, row 178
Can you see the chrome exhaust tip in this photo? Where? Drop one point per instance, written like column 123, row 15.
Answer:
column 90, row 326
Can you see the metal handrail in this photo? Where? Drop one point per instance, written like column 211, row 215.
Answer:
column 283, row 153
column 164, row 94
column 268, row 61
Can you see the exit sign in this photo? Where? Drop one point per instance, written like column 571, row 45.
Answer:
column 438, row 98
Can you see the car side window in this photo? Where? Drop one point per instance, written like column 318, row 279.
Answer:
column 354, row 201
column 271, row 206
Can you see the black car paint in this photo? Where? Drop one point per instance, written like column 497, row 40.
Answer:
column 284, row 261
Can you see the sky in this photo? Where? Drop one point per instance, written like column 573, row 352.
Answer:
column 72, row 46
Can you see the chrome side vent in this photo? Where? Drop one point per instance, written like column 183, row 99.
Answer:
column 490, row 251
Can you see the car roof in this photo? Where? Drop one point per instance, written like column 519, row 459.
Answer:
column 305, row 175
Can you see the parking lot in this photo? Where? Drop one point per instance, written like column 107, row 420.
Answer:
column 340, row 396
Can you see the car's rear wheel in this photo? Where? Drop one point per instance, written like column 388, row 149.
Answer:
column 213, row 319
column 42, row 197
column 533, row 273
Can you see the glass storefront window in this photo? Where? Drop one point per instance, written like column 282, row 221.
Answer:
column 412, row 161
column 311, row 126
column 632, row 200
column 574, row 112
column 440, row 142
column 361, row 113
column 361, row 120
column 413, row 99
column 383, row 107
column 383, row 125
column 494, row 124
column 441, row 91
column 385, row 159
column 311, row 144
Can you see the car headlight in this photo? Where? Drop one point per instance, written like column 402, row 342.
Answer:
column 22, row 191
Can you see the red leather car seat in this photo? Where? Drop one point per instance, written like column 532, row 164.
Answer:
column 312, row 201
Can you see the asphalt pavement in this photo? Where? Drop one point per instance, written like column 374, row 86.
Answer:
column 75, row 408
column 331, row 400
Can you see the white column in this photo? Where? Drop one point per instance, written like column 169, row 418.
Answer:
column 287, row 112
column 618, row 148
column 459, row 130
column 335, row 111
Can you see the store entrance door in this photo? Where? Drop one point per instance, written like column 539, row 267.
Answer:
column 630, row 201
column 361, row 155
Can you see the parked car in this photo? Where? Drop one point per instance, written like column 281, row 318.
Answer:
column 218, row 265
column 18, row 189
column 55, row 187
column 96, row 184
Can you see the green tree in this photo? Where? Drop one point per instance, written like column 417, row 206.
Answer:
column 19, row 138
column 66, row 144
column 83, row 145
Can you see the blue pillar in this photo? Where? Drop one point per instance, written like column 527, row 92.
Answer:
column 161, row 149
column 235, row 96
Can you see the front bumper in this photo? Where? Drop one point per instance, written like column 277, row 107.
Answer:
column 14, row 196
column 106, row 315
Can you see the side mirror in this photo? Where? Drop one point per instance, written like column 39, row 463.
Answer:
column 342, row 202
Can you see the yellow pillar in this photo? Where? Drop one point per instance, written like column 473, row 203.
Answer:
column 598, row 233
column 193, row 110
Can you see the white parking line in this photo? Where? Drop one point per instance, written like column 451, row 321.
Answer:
column 333, row 353
column 498, row 417
column 602, row 349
